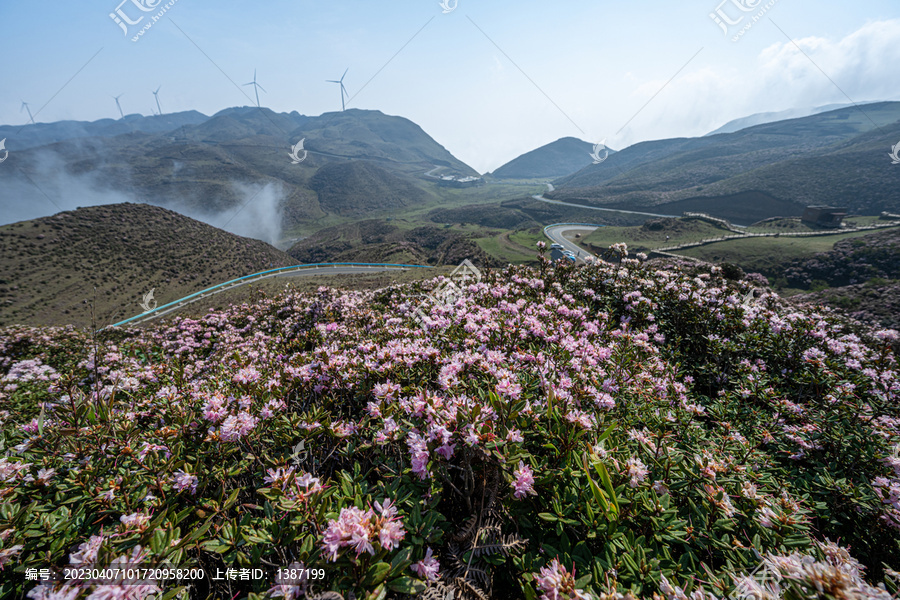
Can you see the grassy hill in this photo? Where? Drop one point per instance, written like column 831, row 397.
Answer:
column 836, row 157
column 876, row 301
column 201, row 166
column 21, row 137
column 849, row 261
column 557, row 159
column 51, row 266
column 652, row 234
column 380, row 241
column 362, row 187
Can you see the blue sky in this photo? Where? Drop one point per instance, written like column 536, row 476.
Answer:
column 488, row 80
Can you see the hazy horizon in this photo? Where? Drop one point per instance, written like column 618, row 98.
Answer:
column 489, row 83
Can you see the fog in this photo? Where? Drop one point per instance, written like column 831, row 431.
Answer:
column 51, row 189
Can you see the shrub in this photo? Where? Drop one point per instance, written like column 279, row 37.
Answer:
column 562, row 431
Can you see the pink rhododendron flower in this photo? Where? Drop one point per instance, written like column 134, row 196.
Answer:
column 185, row 481
column 361, row 529
column 428, row 567
column 524, row 483
column 635, row 469
column 557, row 583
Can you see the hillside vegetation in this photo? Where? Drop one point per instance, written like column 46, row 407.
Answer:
column 837, row 157
column 111, row 256
column 359, row 187
column 558, row 432
column 380, row 241
column 371, row 161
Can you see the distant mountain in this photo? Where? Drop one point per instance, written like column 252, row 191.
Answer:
column 836, row 157
column 393, row 142
column 199, row 167
column 771, row 117
column 22, row 137
column 556, row 159
column 50, row 266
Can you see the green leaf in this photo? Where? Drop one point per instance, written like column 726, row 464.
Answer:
column 598, row 494
column 378, row 593
column 606, row 433
column 547, row 516
column 377, row 573
column 40, row 423
column 407, row 585
column 232, row 498
column 400, row 560
column 607, row 483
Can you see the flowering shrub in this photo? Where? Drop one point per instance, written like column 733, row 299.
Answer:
column 606, row 431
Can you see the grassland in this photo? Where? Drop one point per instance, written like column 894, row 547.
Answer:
column 765, row 254
column 517, row 247
column 653, row 234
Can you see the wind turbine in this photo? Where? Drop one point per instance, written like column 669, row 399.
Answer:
column 119, row 105
column 25, row 106
column 256, row 87
column 343, row 89
column 156, row 95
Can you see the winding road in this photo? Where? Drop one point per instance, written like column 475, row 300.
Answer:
column 294, row 271
column 557, row 234
column 615, row 210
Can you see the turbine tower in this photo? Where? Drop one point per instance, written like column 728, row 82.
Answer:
column 119, row 105
column 343, row 89
column 256, row 87
column 156, row 95
column 25, row 106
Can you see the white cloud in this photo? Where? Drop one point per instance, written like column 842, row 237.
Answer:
column 862, row 65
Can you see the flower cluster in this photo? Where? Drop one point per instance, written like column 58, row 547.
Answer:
column 361, row 529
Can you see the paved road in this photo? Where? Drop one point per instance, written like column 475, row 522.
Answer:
column 558, row 232
column 297, row 271
column 615, row 210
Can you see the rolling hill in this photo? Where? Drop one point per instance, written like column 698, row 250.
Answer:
column 358, row 187
column 200, row 168
column 770, row 117
column 380, row 241
column 557, row 159
column 21, row 137
column 116, row 253
column 836, row 157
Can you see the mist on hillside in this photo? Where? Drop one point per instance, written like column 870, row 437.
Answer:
column 49, row 189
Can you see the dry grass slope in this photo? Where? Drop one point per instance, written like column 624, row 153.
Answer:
column 50, row 266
